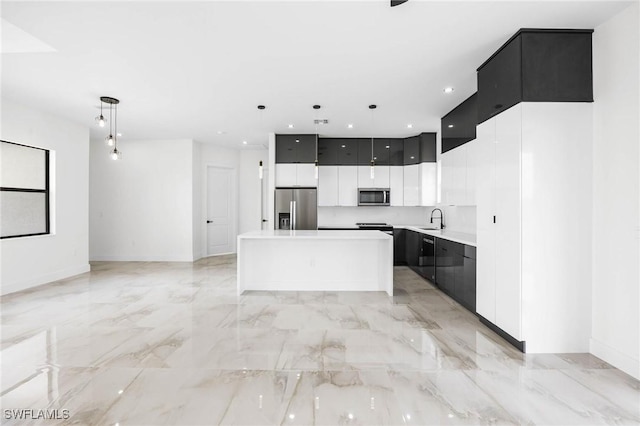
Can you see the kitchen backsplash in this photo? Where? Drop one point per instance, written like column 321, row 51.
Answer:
column 334, row 216
column 459, row 219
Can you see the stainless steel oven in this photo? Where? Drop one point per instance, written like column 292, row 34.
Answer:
column 374, row 196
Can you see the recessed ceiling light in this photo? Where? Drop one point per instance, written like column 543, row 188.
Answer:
column 350, row 126
column 244, row 142
column 450, row 126
column 448, row 89
column 409, row 126
column 291, row 126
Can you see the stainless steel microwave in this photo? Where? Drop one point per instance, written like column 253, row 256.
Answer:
column 374, row 196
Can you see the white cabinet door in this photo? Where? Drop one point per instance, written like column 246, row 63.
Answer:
column 396, row 185
column 306, row 175
column 485, row 232
column 381, row 176
column 428, row 184
column 364, row 177
column 328, row 186
column 412, row 185
column 347, row 185
column 472, row 164
column 446, row 178
column 286, row 174
column 459, row 172
column 508, row 221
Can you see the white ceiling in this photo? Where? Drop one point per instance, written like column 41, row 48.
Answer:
column 193, row 69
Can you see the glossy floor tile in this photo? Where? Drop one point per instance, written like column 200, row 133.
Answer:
column 144, row 343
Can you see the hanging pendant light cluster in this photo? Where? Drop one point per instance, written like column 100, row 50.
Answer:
column 112, row 139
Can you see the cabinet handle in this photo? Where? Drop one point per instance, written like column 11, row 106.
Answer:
column 497, row 106
column 494, row 219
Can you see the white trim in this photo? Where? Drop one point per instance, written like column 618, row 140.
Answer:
column 141, row 258
column 44, row 279
column 233, row 215
column 620, row 360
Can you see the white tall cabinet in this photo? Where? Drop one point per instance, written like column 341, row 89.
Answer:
column 533, row 201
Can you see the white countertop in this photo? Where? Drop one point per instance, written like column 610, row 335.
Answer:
column 321, row 234
column 457, row 237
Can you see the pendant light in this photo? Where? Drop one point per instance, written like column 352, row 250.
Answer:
column 112, row 139
column 315, row 169
column 372, row 107
column 109, row 139
column 260, row 169
column 100, row 119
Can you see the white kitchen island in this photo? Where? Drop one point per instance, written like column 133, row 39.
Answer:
column 315, row 261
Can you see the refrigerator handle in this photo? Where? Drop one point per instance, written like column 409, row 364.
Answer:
column 293, row 215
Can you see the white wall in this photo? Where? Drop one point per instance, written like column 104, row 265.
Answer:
column 249, row 189
column 616, row 198
column 141, row 208
column 31, row 261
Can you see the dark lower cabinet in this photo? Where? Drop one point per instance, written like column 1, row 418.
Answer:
column 467, row 289
column 446, row 265
column 413, row 249
column 399, row 246
column 455, row 263
column 456, row 272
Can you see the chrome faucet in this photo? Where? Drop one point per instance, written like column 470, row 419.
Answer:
column 441, row 217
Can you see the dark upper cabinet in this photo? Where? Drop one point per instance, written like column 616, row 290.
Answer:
column 536, row 65
column 379, row 148
column 459, row 125
column 328, row 151
column 412, row 150
column 348, row 151
column 427, row 147
column 296, row 148
column 396, row 152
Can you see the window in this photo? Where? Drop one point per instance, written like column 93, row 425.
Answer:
column 24, row 190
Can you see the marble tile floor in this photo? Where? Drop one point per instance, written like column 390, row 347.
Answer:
column 144, row 343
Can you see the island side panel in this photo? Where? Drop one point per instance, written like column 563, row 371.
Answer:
column 298, row 264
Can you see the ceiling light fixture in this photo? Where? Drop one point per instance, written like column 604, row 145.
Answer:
column 448, row 90
column 409, row 126
column 349, row 126
column 244, row 142
column 260, row 172
column 373, row 163
column 291, row 126
column 111, row 140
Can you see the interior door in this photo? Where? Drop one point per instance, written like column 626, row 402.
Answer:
column 219, row 211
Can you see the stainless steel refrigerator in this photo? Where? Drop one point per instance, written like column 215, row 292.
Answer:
column 296, row 208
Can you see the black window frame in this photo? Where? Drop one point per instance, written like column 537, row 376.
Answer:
column 46, row 191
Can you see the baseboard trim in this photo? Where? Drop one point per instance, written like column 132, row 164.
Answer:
column 620, row 360
column 43, row 279
column 521, row 346
column 141, row 258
